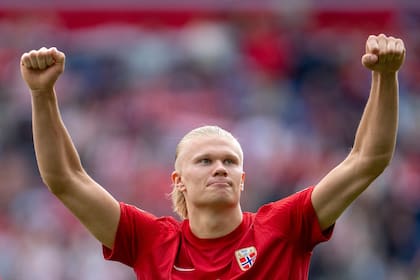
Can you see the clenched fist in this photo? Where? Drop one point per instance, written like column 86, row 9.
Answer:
column 41, row 68
column 384, row 54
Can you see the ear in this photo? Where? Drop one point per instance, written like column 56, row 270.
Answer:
column 242, row 181
column 177, row 181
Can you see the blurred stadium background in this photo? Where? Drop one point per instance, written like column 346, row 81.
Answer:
column 284, row 76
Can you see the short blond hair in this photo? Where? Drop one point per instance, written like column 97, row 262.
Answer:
column 179, row 204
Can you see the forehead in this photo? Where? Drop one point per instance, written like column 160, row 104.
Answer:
column 210, row 145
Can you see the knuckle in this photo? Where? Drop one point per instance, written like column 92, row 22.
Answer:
column 33, row 53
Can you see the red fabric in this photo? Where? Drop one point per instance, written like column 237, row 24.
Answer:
column 277, row 240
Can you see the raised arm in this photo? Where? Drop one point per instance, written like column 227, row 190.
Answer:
column 375, row 137
column 57, row 158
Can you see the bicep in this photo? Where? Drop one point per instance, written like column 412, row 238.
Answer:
column 339, row 188
column 93, row 206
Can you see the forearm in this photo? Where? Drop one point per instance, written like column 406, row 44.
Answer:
column 55, row 153
column 376, row 135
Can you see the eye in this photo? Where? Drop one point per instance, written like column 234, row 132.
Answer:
column 228, row 161
column 204, row 161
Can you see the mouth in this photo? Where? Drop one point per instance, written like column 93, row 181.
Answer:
column 220, row 183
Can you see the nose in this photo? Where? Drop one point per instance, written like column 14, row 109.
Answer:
column 219, row 169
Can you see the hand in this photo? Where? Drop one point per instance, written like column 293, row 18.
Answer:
column 383, row 54
column 41, row 68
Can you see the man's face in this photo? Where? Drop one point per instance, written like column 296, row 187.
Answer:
column 210, row 172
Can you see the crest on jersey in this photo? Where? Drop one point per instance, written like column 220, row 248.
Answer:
column 246, row 257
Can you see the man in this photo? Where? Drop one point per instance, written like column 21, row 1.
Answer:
column 216, row 240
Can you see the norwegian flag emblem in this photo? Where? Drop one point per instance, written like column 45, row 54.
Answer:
column 246, row 257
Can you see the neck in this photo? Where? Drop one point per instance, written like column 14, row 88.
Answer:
column 214, row 224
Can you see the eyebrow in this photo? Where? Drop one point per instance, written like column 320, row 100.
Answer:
column 224, row 155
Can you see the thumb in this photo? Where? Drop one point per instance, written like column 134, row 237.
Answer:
column 369, row 60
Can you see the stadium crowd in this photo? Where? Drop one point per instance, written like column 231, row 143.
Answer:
column 293, row 95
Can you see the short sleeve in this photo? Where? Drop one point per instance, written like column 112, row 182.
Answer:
column 137, row 233
column 309, row 226
column 294, row 218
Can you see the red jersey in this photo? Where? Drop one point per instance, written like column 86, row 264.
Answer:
column 276, row 242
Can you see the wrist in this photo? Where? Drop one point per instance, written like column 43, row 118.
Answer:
column 384, row 75
column 36, row 93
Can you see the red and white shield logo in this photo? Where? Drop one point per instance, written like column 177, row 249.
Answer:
column 246, row 257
